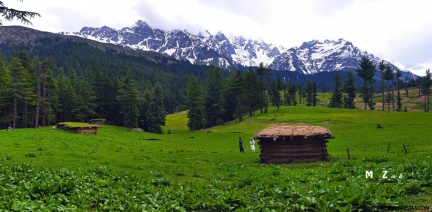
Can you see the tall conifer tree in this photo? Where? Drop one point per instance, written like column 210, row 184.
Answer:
column 314, row 94
column 367, row 72
column 388, row 76
column 350, row 91
column 214, row 100
column 143, row 120
column 156, row 114
column 5, row 94
column 309, row 93
column 275, row 95
column 425, row 83
column 398, row 84
column 261, row 72
column 292, row 94
column 252, row 92
column 21, row 89
column 129, row 100
column 195, row 104
column 336, row 98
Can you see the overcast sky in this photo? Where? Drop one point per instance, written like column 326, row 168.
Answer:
column 398, row 31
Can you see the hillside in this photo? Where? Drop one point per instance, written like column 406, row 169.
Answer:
column 411, row 102
column 180, row 170
column 90, row 53
column 235, row 52
column 86, row 56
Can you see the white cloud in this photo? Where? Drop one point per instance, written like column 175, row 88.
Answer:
column 394, row 30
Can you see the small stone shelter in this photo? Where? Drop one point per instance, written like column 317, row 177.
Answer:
column 80, row 128
column 293, row 143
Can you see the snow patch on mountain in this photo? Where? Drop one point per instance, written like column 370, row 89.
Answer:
column 208, row 49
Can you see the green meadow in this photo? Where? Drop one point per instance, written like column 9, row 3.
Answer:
column 116, row 169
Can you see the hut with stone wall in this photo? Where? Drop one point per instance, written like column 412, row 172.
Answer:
column 293, row 143
column 77, row 127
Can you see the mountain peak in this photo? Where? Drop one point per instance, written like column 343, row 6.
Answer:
column 207, row 49
column 204, row 34
column 141, row 23
column 309, row 43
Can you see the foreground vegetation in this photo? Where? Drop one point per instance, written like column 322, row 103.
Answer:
column 117, row 169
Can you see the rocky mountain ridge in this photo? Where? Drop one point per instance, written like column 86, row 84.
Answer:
column 204, row 48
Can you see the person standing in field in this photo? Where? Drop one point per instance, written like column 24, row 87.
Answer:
column 252, row 144
column 241, row 145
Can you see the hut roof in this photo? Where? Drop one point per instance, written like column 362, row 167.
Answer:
column 293, row 131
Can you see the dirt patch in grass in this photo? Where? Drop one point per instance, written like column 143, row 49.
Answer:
column 419, row 99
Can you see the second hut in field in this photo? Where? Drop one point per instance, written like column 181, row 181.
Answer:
column 293, row 143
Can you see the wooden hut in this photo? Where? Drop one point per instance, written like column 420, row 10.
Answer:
column 76, row 127
column 293, row 143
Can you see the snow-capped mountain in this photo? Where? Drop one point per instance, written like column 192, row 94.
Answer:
column 230, row 52
column 314, row 57
column 203, row 48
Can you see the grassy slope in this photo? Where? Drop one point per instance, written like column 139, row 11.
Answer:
column 119, row 148
column 198, row 156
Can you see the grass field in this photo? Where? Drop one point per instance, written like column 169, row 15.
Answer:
column 118, row 169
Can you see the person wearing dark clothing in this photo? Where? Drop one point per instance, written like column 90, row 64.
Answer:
column 241, row 145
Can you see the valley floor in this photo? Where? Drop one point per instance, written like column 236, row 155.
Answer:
column 116, row 169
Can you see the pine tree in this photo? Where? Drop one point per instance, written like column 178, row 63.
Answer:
column 238, row 89
column 195, row 104
column 261, row 72
column 300, row 93
column 366, row 72
column 350, row 91
column 388, row 76
column 336, row 99
column 73, row 91
column 67, row 97
column 425, row 84
column 98, row 84
column 292, row 94
column 5, row 94
column 9, row 14
column 29, row 92
column 268, row 77
column 382, row 68
column 156, row 112
column 314, row 94
column 21, row 90
column 214, row 100
column 309, row 93
column 51, row 102
column 252, row 92
column 129, row 100
column 144, row 108
column 230, row 97
column 371, row 103
column 109, row 106
column 85, row 102
column 40, row 69
column 275, row 95
column 399, row 98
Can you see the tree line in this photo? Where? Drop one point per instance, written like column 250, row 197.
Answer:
column 218, row 99
column 343, row 95
column 31, row 96
column 146, row 68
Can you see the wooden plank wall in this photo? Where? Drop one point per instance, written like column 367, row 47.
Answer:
column 295, row 150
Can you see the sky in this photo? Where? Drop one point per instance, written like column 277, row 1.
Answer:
column 399, row 31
